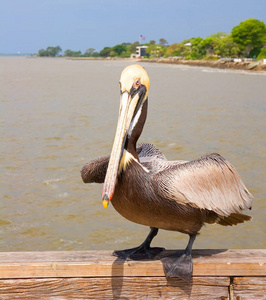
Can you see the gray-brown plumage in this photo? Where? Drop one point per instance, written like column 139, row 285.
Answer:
column 147, row 189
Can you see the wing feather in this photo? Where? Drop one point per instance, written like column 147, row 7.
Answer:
column 95, row 170
column 148, row 151
column 210, row 183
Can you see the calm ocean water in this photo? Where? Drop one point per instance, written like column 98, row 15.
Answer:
column 57, row 114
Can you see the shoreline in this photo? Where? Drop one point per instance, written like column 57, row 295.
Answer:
column 256, row 65
column 249, row 65
column 252, row 65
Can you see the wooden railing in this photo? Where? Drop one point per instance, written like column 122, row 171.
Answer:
column 217, row 274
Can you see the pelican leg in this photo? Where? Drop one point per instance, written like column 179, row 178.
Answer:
column 144, row 251
column 180, row 263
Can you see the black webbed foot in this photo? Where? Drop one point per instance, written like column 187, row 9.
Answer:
column 138, row 253
column 144, row 251
column 178, row 265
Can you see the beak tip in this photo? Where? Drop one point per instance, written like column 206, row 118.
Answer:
column 105, row 203
column 105, row 198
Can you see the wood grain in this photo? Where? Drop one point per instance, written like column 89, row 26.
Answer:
column 242, row 262
column 249, row 288
column 114, row 288
column 217, row 274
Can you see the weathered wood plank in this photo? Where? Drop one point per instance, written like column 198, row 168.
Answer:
column 249, row 288
column 242, row 262
column 115, row 288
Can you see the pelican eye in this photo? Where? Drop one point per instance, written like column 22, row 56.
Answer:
column 136, row 83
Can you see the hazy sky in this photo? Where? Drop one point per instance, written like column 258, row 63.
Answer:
column 29, row 25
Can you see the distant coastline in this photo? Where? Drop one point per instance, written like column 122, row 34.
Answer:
column 252, row 65
column 248, row 65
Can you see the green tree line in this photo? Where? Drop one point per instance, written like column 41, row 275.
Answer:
column 248, row 39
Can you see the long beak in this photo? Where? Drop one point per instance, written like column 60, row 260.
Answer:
column 126, row 115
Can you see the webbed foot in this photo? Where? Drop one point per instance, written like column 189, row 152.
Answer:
column 138, row 253
column 178, row 265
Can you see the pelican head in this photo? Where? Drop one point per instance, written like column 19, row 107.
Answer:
column 134, row 88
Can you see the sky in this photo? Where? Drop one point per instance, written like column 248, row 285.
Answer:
column 26, row 26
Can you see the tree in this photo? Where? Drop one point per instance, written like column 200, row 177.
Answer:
column 219, row 35
column 126, row 44
column 208, row 45
column 154, row 51
column 57, row 50
column 132, row 47
column 179, row 50
column 50, row 51
column 53, row 51
column 262, row 53
column 172, row 50
column 198, row 51
column 91, row 52
column 152, row 42
column 226, row 47
column 163, row 42
column 77, row 53
column 250, row 36
column 71, row 53
column 119, row 49
column 192, row 48
column 105, row 52
column 42, row 52
column 68, row 53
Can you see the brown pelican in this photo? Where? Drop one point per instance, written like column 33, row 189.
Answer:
column 146, row 188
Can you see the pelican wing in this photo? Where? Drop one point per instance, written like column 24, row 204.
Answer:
column 95, row 170
column 210, row 183
column 149, row 151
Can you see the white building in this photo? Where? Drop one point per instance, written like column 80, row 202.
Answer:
column 141, row 51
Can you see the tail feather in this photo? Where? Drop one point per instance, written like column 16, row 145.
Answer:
column 233, row 219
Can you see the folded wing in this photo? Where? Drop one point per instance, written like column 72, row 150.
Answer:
column 210, row 183
column 95, row 170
